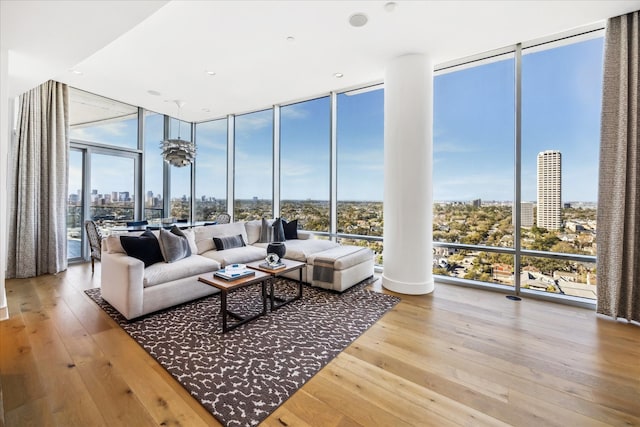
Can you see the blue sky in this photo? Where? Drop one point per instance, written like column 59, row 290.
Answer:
column 473, row 133
column 305, row 150
column 360, row 149
column 561, row 104
column 473, row 137
column 474, row 124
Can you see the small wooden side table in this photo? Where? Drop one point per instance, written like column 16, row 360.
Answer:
column 290, row 265
column 227, row 286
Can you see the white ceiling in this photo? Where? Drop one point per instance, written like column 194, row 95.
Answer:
column 126, row 48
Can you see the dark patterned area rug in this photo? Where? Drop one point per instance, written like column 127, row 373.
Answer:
column 244, row 375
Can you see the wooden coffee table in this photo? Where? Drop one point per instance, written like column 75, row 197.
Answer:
column 290, row 265
column 227, row 286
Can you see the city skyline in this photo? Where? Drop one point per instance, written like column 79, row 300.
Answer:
column 477, row 202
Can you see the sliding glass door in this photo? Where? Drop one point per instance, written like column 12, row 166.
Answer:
column 112, row 189
column 75, row 205
column 102, row 187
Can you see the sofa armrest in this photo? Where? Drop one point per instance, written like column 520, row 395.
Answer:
column 304, row 235
column 122, row 283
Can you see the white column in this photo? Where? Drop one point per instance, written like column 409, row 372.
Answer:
column 408, row 164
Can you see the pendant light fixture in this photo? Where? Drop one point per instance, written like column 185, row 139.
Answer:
column 175, row 151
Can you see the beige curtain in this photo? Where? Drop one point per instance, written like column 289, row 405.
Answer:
column 37, row 241
column 618, row 264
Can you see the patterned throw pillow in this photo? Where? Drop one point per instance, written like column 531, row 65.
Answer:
column 228, row 242
column 266, row 232
column 144, row 247
column 273, row 232
column 174, row 244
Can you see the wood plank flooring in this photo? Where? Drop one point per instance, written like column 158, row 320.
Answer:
column 456, row 357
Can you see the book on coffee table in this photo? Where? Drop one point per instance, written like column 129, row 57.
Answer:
column 233, row 274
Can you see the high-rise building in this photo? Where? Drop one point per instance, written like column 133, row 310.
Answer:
column 526, row 214
column 549, row 213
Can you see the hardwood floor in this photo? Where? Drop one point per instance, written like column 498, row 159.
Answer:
column 456, row 357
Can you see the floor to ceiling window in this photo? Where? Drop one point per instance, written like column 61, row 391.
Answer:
column 360, row 167
column 104, row 165
column 491, row 170
column 153, row 165
column 473, row 171
column 561, row 97
column 75, row 205
column 304, row 163
column 112, row 197
column 180, row 187
column 253, row 174
column 475, row 168
column 211, row 169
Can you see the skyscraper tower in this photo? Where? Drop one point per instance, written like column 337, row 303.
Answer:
column 549, row 190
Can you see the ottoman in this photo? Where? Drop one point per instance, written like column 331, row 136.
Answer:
column 339, row 268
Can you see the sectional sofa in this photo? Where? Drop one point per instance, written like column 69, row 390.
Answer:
column 135, row 290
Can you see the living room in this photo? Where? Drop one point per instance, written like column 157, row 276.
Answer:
column 191, row 119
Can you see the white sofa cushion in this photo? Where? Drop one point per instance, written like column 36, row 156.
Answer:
column 304, row 235
column 113, row 244
column 191, row 266
column 299, row 250
column 241, row 255
column 204, row 235
column 344, row 256
column 253, row 231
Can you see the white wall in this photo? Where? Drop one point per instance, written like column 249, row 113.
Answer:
column 6, row 109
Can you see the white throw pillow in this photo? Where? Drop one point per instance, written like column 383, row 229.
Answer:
column 253, row 231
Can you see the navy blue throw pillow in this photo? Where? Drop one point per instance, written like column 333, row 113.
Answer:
column 290, row 229
column 144, row 247
column 278, row 231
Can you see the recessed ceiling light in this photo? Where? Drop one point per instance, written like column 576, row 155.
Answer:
column 291, row 39
column 358, row 19
column 390, row 6
column 76, row 72
column 211, row 73
column 206, row 110
column 154, row 92
column 338, row 75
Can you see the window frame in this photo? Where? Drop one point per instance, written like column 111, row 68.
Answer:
column 570, row 37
